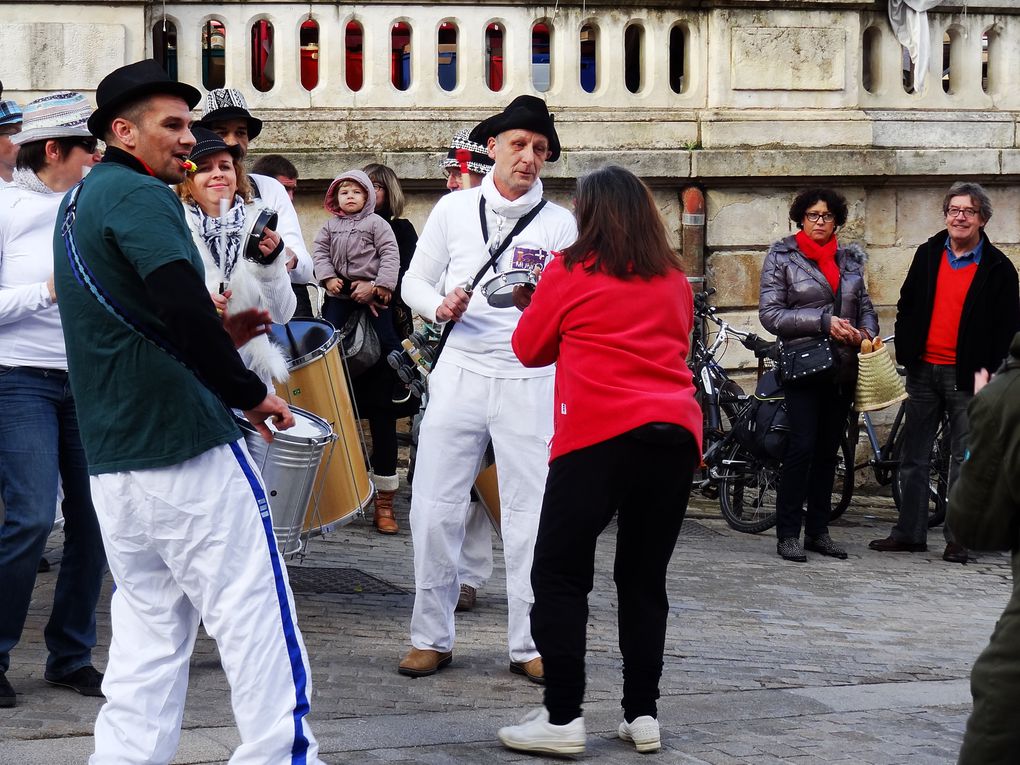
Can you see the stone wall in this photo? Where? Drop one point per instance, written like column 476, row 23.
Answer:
column 750, row 100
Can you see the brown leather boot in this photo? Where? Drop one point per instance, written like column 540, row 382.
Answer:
column 385, row 523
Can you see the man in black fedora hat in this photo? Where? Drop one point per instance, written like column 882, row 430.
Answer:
column 183, row 513
column 478, row 390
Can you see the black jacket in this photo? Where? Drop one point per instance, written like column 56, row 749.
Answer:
column 991, row 310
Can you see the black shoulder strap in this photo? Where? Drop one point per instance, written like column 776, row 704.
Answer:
column 254, row 188
column 522, row 224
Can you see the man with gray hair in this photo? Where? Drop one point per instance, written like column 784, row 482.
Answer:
column 958, row 310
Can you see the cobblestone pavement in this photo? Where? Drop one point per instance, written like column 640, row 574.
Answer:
column 858, row 661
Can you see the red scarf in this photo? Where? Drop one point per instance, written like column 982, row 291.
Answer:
column 822, row 254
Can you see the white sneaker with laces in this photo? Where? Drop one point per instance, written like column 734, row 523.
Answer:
column 643, row 732
column 535, row 733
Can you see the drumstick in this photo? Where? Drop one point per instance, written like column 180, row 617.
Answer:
column 224, row 206
column 463, row 156
column 294, row 353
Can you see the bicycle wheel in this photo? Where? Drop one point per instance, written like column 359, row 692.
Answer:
column 938, row 474
column 843, row 484
column 747, row 491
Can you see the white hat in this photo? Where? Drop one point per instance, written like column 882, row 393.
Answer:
column 60, row 115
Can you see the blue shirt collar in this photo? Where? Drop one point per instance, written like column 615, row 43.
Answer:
column 974, row 256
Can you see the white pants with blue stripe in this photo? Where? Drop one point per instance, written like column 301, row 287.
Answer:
column 190, row 543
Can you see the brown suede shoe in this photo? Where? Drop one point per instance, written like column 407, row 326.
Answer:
column 423, row 662
column 467, row 598
column 955, row 553
column 533, row 670
column 894, row 545
column 385, row 523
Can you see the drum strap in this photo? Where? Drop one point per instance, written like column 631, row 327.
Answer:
column 522, row 223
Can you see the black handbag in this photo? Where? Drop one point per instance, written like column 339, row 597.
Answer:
column 809, row 358
column 359, row 342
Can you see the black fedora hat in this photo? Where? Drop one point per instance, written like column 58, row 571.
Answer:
column 130, row 83
column 523, row 113
column 207, row 142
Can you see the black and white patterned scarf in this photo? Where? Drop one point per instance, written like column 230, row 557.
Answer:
column 26, row 179
column 224, row 249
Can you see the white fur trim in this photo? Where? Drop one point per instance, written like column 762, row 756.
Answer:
column 386, row 482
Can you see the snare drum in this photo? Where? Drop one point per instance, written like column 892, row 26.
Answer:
column 499, row 290
column 317, row 383
column 289, row 465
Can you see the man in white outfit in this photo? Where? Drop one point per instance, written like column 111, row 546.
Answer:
column 478, row 390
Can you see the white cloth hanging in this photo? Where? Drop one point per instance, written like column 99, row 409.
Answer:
column 909, row 20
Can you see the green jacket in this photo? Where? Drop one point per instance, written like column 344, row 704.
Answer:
column 984, row 514
column 984, row 502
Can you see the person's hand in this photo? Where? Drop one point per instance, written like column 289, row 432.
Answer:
column 453, row 305
column 383, row 294
column 981, row 378
column 245, row 325
column 844, row 332
column 291, row 259
column 51, row 288
column 220, row 301
column 522, row 295
column 333, row 285
column 362, row 292
column 269, row 242
column 272, row 408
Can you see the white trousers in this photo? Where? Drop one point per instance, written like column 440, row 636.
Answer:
column 188, row 543
column 465, row 410
column 475, row 565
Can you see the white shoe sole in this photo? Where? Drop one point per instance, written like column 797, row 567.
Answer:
column 545, row 747
column 645, row 745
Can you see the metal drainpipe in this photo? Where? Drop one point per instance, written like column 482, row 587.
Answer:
column 692, row 236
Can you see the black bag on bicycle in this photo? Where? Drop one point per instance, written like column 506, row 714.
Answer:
column 765, row 428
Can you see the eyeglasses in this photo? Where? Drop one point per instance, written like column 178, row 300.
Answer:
column 967, row 212
column 814, row 217
column 89, row 144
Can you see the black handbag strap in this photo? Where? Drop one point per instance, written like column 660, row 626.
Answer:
column 522, row 223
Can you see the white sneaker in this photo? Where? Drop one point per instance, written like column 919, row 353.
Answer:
column 643, row 732
column 536, row 734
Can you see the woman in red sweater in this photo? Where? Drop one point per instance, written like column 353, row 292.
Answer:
column 614, row 312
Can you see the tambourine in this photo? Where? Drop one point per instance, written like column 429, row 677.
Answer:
column 499, row 290
column 255, row 229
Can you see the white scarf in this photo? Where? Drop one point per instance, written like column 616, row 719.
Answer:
column 210, row 228
column 26, row 179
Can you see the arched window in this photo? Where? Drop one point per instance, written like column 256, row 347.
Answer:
column 214, row 45
column 400, row 45
column 263, row 72
column 494, row 56
column 871, row 70
column 354, row 65
column 633, row 57
column 949, row 83
column 164, row 46
column 540, row 56
column 446, row 66
column 990, row 45
column 308, row 37
column 589, row 57
column 677, row 58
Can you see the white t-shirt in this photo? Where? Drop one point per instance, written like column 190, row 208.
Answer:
column 451, row 250
column 274, row 195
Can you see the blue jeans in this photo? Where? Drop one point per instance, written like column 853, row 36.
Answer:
column 932, row 391
column 39, row 445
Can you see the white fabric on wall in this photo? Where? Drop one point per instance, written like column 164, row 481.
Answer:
column 909, row 20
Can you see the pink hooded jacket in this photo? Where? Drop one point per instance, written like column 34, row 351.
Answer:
column 359, row 247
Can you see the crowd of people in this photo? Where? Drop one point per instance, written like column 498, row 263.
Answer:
column 580, row 390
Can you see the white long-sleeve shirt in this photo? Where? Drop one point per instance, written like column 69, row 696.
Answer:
column 274, row 195
column 30, row 333
column 451, row 244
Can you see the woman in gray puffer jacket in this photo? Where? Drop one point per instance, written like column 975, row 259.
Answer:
column 800, row 281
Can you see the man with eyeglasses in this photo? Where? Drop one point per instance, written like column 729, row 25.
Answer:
column 10, row 125
column 958, row 310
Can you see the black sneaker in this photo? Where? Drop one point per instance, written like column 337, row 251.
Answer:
column 790, row 549
column 823, row 544
column 86, row 680
column 7, row 696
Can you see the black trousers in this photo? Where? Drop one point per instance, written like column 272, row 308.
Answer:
column 817, row 413
column 647, row 486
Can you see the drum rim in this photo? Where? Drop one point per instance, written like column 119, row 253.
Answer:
column 302, row 361
column 509, row 278
column 324, row 438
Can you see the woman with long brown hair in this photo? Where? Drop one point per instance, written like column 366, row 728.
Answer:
column 614, row 312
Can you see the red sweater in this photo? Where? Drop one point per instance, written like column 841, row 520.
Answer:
column 950, row 291
column 620, row 347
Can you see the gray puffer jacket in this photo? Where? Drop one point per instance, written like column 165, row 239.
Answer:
column 796, row 300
